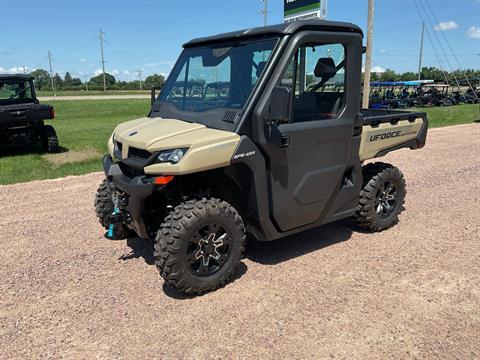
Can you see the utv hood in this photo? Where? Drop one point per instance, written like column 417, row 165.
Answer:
column 148, row 133
column 207, row 148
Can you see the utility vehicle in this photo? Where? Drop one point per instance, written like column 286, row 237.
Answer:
column 281, row 150
column 22, row 116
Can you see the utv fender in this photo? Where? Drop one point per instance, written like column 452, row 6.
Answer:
column 248, row 154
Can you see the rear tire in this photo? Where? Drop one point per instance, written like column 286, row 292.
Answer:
column 50, row 139
column 199, row 245
column 382, row 197
column 104, row 208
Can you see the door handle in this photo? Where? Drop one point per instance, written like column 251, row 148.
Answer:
column 284, row 141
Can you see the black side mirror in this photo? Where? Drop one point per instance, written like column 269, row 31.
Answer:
column 152, row 96
column 280, row 102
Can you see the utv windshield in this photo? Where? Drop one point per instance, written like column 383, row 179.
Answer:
column 210, row 81
column 13, row 91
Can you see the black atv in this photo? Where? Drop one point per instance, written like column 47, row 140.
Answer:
column 22, row 116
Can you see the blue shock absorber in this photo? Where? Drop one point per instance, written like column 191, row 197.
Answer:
column 111, row 227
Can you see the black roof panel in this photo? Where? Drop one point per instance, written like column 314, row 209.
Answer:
column 16, row 76
column 279, row 29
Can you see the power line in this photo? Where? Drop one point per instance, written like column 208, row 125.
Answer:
column 431, row 43
column 451, row 50
column 102, row 40
column 439, row 42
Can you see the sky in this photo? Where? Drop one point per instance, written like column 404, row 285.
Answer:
column 145, row 36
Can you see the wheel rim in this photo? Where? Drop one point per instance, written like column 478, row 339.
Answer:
column 208, row 250
column 386, row 199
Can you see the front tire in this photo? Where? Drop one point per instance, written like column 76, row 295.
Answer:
column 381, row 198
column 104, row 207
column 199, row 245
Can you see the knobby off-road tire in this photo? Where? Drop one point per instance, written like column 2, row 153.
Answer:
column 381, row 198
column 50, row 139
column 196, row 232
column 104, row 208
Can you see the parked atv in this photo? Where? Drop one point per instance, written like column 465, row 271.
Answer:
column 22, row 116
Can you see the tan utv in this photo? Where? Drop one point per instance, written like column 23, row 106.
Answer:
column 258, row 131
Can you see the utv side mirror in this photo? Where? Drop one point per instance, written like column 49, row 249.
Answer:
column 152, row 96
column 280, row 101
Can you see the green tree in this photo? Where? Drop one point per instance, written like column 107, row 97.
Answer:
column 70, row 82
column 388, row 75
column 42, row 79
column 97, row 81
column 57, row 79
column 408, row 76
column 154, row 80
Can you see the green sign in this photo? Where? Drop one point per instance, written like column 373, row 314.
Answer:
column 304, row 9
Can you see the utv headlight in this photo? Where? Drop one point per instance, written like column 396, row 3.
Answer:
column 172, row 156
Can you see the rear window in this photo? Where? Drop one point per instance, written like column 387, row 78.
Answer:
column 15, row 91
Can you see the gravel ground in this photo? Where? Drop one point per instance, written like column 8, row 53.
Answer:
column 410, row 292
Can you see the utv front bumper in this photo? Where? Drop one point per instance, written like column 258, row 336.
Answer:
column 132, row 192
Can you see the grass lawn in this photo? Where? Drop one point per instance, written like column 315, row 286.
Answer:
column 91, row 92
column 83, row 128
column 451, row 115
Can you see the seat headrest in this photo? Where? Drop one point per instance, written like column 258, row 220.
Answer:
column 325, row 68
column 260, row 67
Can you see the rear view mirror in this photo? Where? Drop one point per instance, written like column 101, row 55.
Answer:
column 280, row 101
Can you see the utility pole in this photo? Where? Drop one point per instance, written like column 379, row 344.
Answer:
column 368, row 55
column 50, row 55
column 86, row 82
column 102, row 40
column 264, row 12
column 140, row 73
column 421, row 53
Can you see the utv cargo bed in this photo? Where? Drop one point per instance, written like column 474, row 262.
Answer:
column 385, row 130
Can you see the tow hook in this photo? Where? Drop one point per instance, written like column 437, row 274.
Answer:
column 114, row 219
column 118, row 216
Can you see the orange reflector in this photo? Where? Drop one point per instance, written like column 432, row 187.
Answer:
column 163, row 180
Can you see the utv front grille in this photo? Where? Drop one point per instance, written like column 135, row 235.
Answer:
column 139, row 153
column 130, row 171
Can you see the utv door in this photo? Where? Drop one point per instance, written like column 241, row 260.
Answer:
column 312, row 159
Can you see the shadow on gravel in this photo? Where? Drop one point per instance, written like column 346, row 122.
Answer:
column 144, row 249
column 275, row 252
column 140, row 249
column 267, row 253
column 171, row 292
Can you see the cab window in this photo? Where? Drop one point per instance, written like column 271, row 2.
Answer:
column 316, row 78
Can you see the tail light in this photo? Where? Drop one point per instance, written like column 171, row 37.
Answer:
column 52, row 112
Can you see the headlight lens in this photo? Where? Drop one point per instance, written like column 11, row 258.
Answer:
column 172, row 156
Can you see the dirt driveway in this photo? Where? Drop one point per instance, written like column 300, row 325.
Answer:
column 409, row 292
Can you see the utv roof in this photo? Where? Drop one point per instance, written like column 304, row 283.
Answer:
column 280, row 29
column 16, row 76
